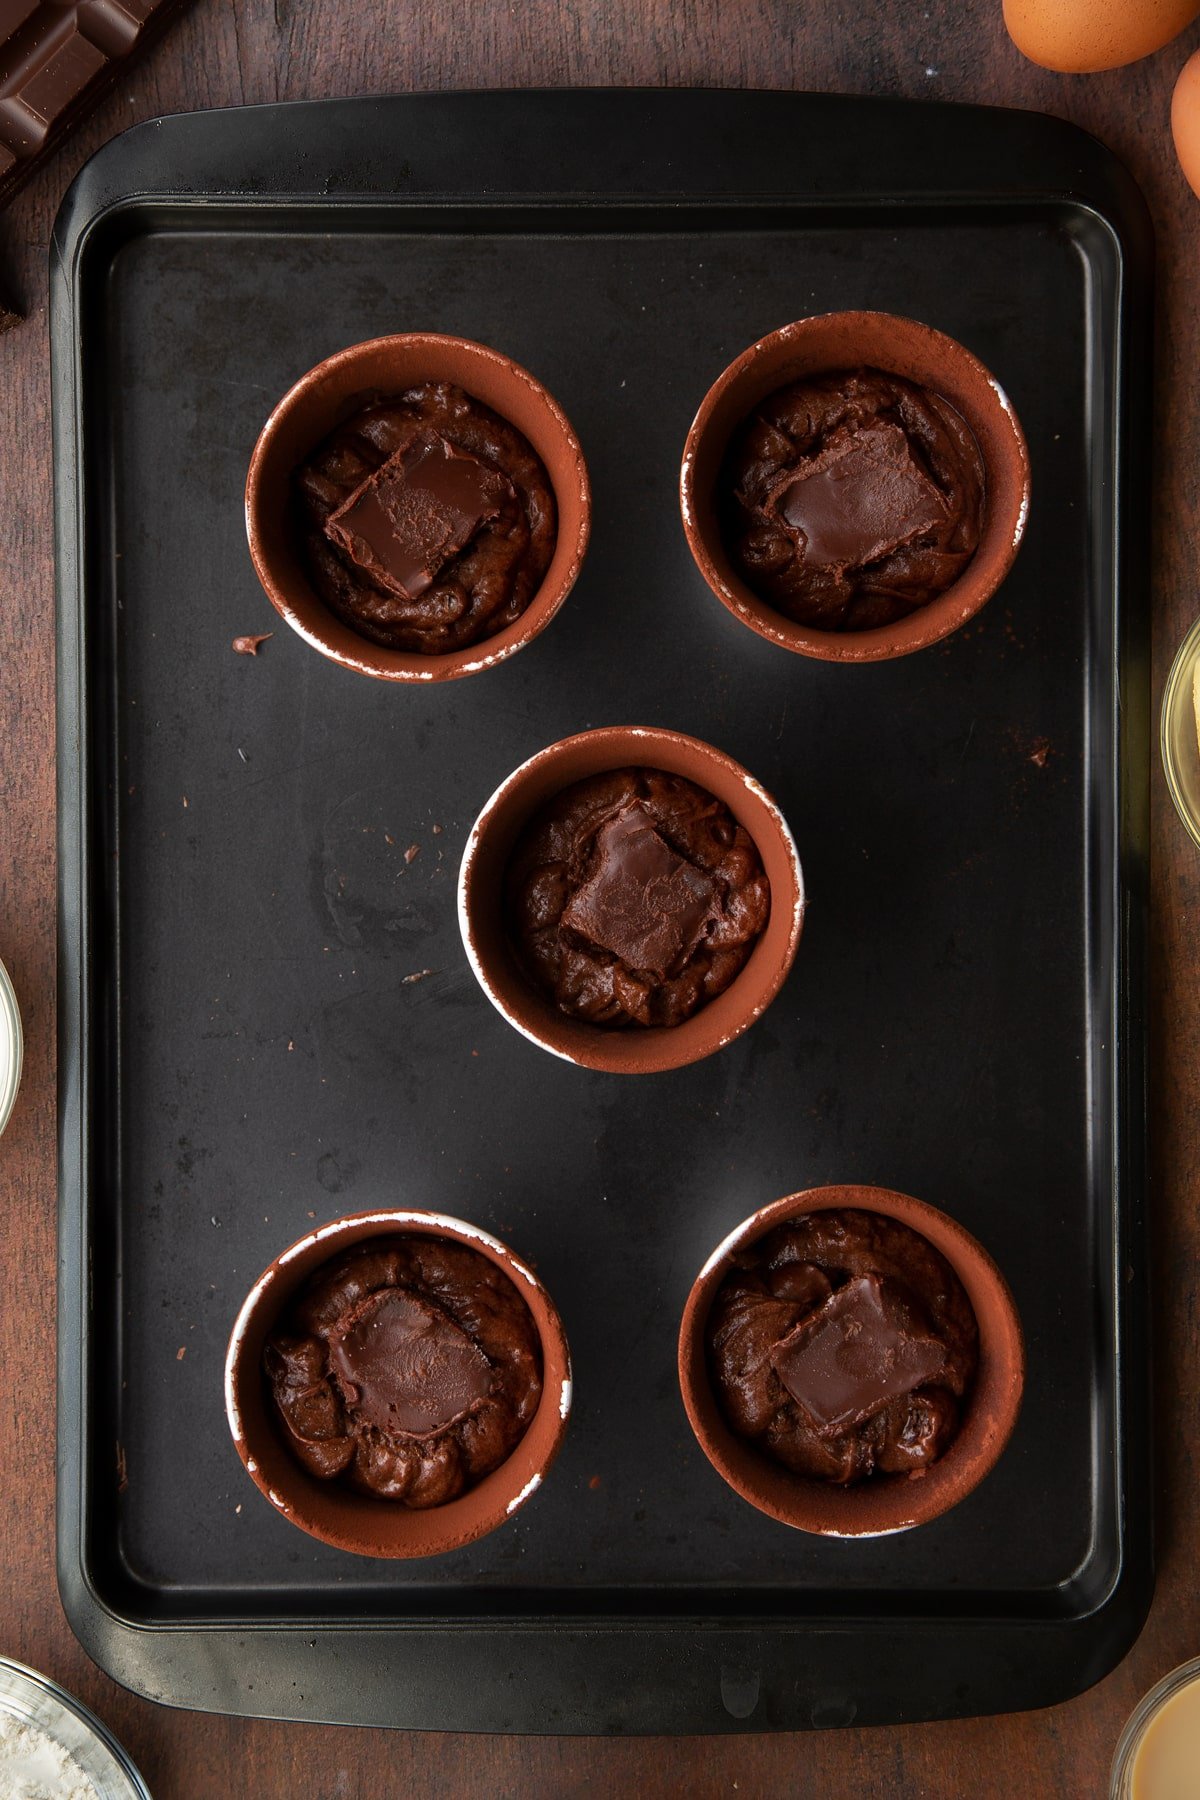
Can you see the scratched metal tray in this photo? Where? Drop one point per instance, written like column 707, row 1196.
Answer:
column 243, row 1046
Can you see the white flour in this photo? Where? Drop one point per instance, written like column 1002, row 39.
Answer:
column 34, row 1767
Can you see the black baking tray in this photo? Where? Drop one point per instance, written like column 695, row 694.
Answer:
column 242, row 1052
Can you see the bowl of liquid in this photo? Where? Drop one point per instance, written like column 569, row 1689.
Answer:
column 1158, row 1757
column 1180, row 731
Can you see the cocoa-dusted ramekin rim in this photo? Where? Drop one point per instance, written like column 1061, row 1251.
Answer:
column 635, row 1051
column 332, row 1512
column 882, row 1504
column 822, row 344
column 326, row 397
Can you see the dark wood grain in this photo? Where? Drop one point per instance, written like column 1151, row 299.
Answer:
column 225, row 52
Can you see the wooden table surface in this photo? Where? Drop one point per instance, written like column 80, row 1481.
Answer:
column 225, row 52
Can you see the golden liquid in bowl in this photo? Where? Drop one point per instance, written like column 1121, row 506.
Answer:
column 1166, row 1764
column 1179, row 739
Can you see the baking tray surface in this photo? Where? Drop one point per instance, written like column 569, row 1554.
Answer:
column 267, row 1019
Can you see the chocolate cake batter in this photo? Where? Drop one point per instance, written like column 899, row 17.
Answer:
column 635, row 897
column 410, row 1367
column 843, row 1344
column 850, row 500
column 427, row 521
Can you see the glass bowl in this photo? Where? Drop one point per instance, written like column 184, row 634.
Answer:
column 1122, row 1782
column 28, row 1698
column 11, row 1047
column 1180, row 750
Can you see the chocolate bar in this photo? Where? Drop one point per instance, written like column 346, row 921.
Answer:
column 55, row 62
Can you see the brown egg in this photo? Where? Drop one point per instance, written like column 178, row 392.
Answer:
column 1077, row 37
column 1185, row 119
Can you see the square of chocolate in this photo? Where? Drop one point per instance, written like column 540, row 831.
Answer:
column 416, row 513
column 863, row 497
column 854, row 1355
column 641, row 901
column 405, row 1366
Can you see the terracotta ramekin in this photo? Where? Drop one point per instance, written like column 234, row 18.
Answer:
column 632, row 1051
column 333, row 1512
column 333, row 392
column 882, row 1504
column 848, row 340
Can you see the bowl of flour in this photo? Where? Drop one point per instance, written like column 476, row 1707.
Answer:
column 53, row 1748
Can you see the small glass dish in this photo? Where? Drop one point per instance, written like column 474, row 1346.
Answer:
column 1180, row 749
column 11, row 1047
column 1127, row 1782
column 33, row 1700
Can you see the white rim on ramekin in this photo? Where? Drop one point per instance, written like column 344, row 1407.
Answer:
column 506, row 642
column 396, row 1218
column 518, row 1272
column 475, row 837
